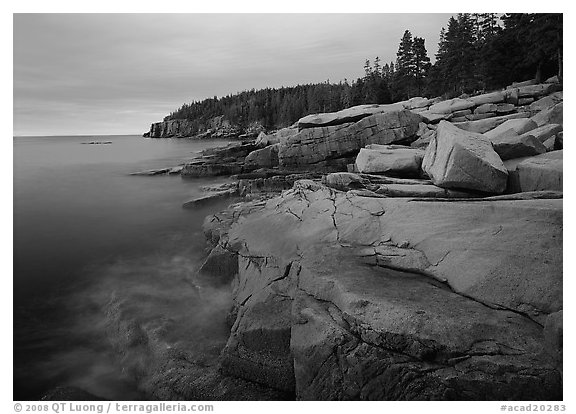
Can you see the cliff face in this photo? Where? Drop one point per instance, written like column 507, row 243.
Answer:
column 379, row 298
column 216, row 127
column 173, row 128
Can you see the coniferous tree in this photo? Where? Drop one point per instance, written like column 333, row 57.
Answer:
column 403, row 81
column 421, row 64
column 377, row 70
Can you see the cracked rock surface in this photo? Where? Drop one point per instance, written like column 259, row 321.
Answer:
column 340, row 296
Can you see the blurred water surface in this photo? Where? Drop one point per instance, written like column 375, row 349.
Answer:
column 85, row 229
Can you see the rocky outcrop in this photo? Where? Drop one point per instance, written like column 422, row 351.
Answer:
column 172, row 128
column 316, row 145
column 460, row 159
column 386, row 298
column 484, row 125
column 216, row 127
column 277, row 137
column 228, row 160
column 266, row 157
column 349, row 115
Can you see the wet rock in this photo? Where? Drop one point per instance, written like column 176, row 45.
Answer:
column 460, row 159
column 210, row 198
column 194, row 170
column 157, row 171
column 220, row 266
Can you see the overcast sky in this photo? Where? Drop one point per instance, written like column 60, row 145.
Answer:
column 117, row 73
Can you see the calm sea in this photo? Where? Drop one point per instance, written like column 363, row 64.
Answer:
column 85, row 231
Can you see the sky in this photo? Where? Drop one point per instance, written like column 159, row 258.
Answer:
column 99, row 74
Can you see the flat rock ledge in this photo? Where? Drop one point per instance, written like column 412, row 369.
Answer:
column 395, row 298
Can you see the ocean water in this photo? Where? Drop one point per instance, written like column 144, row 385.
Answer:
column 87, row 234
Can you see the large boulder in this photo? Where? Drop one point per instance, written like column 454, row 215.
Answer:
column 388, row 299
column 486, row 124
column 542, row 172
column 552, row 115
column 345, row 181
column 431, row 117
column 520, row 126
column 417, row 102
column 198, row 169
column 452, row 105
column 266, row 157
column 486, row 108
column 547, row 102
column 460, row 159
column 545, row 132
column 488, row 98
column 389, row 160
column 347, row 115
column 536, row 90
column 315, row 145
column 510, row 144
column 277, row 137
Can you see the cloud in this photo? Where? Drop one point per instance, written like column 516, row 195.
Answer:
column 95, row 66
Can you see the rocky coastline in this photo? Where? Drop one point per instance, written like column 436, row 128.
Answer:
column 410, row 251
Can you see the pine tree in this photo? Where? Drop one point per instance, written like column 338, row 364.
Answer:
column 421, row 63
column 377, row 70
column 456, row 55
column 404, row 76
column 367, row 70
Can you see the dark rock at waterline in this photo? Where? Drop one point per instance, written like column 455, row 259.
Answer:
column 196, row 170
column 210, row 198
column 70, row 394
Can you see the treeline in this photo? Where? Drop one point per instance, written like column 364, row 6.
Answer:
column 476, row 52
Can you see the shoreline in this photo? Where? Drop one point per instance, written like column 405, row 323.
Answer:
column 358, row 271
